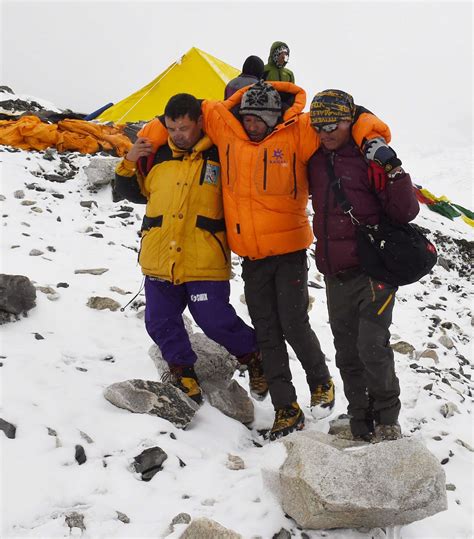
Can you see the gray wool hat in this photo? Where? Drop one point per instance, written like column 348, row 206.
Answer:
column 262, row 100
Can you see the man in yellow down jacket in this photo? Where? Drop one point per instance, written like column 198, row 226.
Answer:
column 184, row 253
column 264, row 147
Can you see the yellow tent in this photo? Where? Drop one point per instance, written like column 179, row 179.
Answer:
column 196, row 73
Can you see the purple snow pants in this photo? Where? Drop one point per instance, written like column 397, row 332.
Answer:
column 208, row 302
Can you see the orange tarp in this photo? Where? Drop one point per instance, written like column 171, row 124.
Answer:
column 30, row 133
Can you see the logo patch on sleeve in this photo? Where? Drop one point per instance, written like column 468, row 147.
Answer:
column 211, row 176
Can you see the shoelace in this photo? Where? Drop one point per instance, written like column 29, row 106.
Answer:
column 168, row 376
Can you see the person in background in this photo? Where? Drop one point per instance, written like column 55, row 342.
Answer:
column 184, row 253
column 278, row 58
column 360, row 308
column 252, row 72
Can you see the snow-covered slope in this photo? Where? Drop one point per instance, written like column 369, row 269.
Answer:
column 56, row 362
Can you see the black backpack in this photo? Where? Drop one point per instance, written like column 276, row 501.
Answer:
column 390, row 252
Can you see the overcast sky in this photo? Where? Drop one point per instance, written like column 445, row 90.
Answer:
column 409, row 62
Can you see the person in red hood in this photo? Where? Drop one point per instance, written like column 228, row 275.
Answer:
column 360, row 308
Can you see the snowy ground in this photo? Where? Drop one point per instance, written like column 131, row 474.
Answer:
column 57, row 382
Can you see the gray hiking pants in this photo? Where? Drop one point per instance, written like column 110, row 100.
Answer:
column 360, row 314
column 276, row 292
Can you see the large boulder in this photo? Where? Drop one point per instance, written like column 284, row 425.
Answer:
column 155, row 398
column 17, row 294
column 325, row 483
column 215, row 368
column 101, row 171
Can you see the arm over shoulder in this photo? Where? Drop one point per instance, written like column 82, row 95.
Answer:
column 367, row 126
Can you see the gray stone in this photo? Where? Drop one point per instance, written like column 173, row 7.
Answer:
column 282, row 534
column 234, row 462
column 149, row 462
column 465, row 445
column 431, row 354
column 122, row 517
column 232, row 400
column 46, row 289
column 8, row 428
column 444, row 263
column 75, row 520
column 205, row 528
column 88, row 203
column 17, row 294
column 448, row 409
column 93, row 271
column 36, row 252
column 375, row 485
column 214, row 363
column 403, row 347
column 155, row 398
column 86, row 437
column 181, row 518
column 101, row 303
column 19, row 194
column 119, row 290
column 2, row 198
column 101, row 170
column 28, row 202
column 446, row 341
column 37, row 209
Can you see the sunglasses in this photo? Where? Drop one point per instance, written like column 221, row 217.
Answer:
column 329, row 128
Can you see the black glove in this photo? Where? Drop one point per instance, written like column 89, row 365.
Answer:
column 379, row 151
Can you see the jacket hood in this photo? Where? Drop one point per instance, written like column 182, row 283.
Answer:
column 275, row 45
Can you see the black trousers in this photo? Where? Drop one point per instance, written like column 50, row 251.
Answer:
column 360, row 314
column 276, row 292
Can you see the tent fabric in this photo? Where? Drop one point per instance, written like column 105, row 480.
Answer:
column 30, row 133
column 196, row 72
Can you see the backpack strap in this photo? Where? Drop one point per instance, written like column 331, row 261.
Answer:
column 336, row 186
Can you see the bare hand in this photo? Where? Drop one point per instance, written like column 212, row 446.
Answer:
column 141, row 148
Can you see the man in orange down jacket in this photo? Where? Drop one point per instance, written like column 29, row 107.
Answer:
column 264, row 147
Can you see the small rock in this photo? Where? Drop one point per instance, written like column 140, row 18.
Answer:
column 403, row 347
column 2, row 198
column 450, row 486
column 448, row 409
column 75, row 520
column 80, row 455
column 62, row 285
column 19, row 194
column 101, row 303
column 51, row 432
column 119, row 290
column 35, row 252
column 93, row 271
column 242, row 299
column 465, row 445
column 53, row 297
column 149, row 462
column 38, row 336
column 445, row 461
column 86, row 437
column 122, row 517
column 209, row 502
column 51, row 249
column 446, row 341
column 282, row 534
column 46, row 289
column 96, row 235
column 431, row 354
column 428, row 387
column 205, row 528
column 234, row 462
column 36, row 209
column 8, row 428
column 444, row 263
column 88, row 203
column 181, row 518
column 28, row 202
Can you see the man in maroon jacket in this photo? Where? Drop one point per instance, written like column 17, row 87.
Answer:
column 360, row 308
